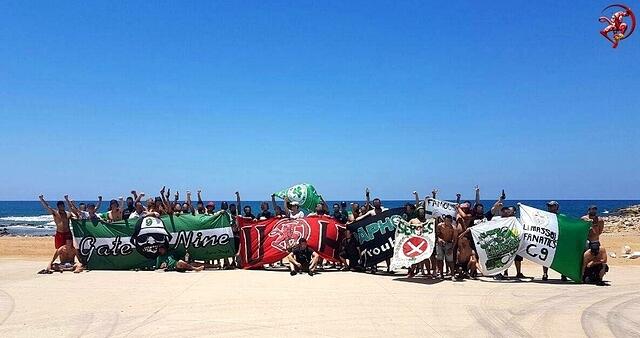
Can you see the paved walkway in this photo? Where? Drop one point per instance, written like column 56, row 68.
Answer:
column 332, row 304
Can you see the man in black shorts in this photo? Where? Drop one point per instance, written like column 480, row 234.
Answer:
column 594, row 264
column 302, row 259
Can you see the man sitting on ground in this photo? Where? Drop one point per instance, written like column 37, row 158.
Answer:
column 302, row 259
column 67, row 256
column 167, row 262
column 594, row 265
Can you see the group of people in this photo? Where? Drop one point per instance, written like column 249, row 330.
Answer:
column 454, row 256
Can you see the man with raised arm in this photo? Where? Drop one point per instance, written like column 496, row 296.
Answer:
column 292, row 209
column 376, row 208
column 130, row 207
column 80, row 212
column 61, row 217
column 115, row 212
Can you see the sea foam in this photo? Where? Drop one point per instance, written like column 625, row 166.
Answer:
column 42, row 218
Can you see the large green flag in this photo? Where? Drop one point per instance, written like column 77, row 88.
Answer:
column 133, row 244
column 554, row 240
column 304, row 193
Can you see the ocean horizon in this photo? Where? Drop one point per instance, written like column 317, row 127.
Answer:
column 29, row 218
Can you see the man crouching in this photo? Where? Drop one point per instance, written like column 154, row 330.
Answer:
column 67, row 256
column 302, row 259
column 594, row 264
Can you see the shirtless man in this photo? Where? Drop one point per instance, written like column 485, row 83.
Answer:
column 594, row 264
column 466, row 260
column 445, row 233
column 67, row 255
column 61, row 217
column 597, row 226
column 115, row 210
column 80, row 212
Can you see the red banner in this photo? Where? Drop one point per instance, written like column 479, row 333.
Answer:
column 268, row 241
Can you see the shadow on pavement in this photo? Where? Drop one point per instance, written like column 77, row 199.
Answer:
column 418, row 280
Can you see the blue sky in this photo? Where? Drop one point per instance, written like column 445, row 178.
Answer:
column 102, row 97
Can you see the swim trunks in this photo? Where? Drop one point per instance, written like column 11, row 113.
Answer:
column 61, row 238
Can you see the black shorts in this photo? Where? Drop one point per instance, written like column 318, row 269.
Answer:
column 236, row 243
column 519, row 258
column 463, row 265
column 592, row 274
column 304, row 267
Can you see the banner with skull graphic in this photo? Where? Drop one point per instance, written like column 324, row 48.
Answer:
column 268, row 241
column 134, row 244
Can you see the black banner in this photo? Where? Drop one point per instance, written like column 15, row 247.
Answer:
column 376, row 234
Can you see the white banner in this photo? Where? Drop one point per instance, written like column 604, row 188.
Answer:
column 413, row 244
column 540, row 235
column 437, row 208
column 497, row 243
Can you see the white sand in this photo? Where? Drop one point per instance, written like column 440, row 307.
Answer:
column 335, row 304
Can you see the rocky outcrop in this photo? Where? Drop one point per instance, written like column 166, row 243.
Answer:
column 623, row 220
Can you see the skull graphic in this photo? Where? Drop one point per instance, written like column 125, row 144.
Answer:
column 149, row 235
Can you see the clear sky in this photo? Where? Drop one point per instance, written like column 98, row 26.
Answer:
column 101, row 97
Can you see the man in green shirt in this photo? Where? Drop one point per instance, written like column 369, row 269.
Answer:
column 167, row 262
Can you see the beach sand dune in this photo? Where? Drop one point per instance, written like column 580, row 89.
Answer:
column 331, row 304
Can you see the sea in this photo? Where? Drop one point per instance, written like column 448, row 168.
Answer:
column 28, row 218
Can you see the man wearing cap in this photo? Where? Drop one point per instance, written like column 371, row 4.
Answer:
column 292, row 209
column 594, row 264
column 210, row 208
column 302, row 259
column 552, row 207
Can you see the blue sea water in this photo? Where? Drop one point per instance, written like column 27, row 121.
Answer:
column 29, row 218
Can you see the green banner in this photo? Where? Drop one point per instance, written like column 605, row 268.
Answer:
column 133, row 244
column 305, row 194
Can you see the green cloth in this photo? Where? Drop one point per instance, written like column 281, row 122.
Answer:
column 305, row 194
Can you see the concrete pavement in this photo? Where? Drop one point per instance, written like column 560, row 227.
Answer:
column 331, row 304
